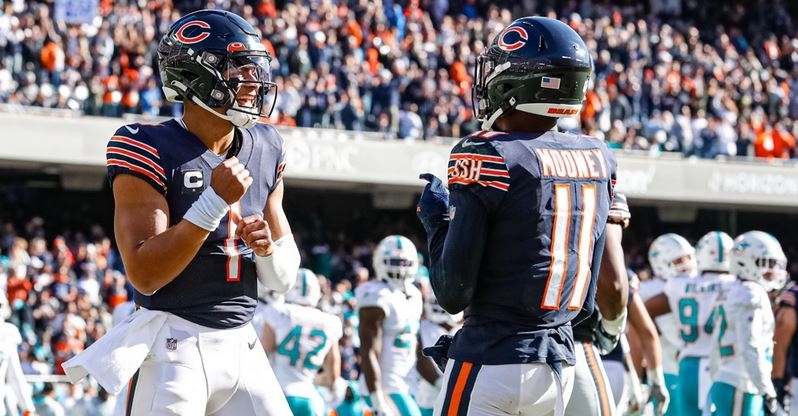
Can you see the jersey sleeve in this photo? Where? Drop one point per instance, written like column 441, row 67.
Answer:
column 277, row 144
column 612, row 167
column 371, row 295
column 280, row 165
column 476, row 166
column 131, row 151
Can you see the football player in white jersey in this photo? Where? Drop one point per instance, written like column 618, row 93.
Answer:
column 15, row 392
column 669, row 255
column 266, row 299
column 303, row 339
column 436, row 322
column 389, row 309
column 692, row 299
column 743, row 330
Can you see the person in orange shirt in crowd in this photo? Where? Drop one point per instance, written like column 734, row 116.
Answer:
column 776, row 143
column 459, row 73
column 18, row 285
column 61, row 252
column 266, row 8
column 53, row 58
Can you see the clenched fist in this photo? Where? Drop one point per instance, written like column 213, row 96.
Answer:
column 257, row 235
column 230, row 180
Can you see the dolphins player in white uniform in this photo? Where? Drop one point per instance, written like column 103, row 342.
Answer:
column 389, row 309
column 669, row 255
column 15, row 392
column 742, row 351
column 436, row 322
column 302, row 339
column 692, row 299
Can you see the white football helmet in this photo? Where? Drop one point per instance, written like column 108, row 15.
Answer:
column 434, row 312
column 713, row 252
column 758, row 256
column 306, row 290
column 396, row 261
column 671, row 255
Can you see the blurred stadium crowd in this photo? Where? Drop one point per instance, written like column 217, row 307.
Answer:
column 709, row 79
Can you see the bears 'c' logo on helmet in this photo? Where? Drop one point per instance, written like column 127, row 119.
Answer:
column 520, row 41
column 187, row 38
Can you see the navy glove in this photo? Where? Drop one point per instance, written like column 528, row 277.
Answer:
column 440, row 351
column 781, row 391
column 433, row 206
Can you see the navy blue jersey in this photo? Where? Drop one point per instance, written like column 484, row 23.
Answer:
column 546, row 198
column 218, row 288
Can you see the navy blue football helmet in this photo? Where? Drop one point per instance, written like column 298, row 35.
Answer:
column 537, row 65
column 216, row 59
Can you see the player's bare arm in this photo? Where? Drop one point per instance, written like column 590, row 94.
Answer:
column 645, row 331
column 260, row 231
column 424, row 365
column 657, row 305
column 276, row 253
column 613, row 285
column 785, row 329
column 268, row 339
column 331, row 369
column 370, row 332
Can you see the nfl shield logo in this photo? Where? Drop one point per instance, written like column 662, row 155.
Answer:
column 171, row 344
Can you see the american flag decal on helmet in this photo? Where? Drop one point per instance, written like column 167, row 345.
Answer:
column 550, row 83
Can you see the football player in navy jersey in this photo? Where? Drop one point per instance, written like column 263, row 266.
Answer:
column 516, row 241
column 199, row 221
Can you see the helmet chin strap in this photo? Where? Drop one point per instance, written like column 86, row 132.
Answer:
column 233, row 115
column 240, row 118
column 488, row 123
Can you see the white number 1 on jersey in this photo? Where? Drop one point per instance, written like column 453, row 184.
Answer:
column 561, row 227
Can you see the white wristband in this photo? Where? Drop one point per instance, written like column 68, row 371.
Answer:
column 378, row 403
column 615, row 326
column 656, row 376
column 207, row 211
column 278, row 270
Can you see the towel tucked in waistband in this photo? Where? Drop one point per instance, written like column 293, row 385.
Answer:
column 114, row 358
